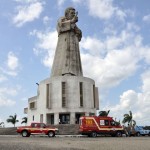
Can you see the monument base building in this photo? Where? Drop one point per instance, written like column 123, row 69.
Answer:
column 66, row 95
column 63, row 99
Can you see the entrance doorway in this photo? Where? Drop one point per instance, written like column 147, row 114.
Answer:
column 77, row 117
column 50, row 118
column 64, row 118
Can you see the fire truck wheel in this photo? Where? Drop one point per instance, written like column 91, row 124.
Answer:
column 24, row 133
column 118, row 134
column 51, row 134
column 93, row 134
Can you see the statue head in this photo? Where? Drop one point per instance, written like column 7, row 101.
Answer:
column 69, row 13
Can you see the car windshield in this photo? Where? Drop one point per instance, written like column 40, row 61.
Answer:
column 140, row 128
column 42, row 125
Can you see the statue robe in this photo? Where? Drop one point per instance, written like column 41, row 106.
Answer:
column 67, row 55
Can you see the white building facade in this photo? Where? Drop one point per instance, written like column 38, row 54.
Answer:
column 63, row 100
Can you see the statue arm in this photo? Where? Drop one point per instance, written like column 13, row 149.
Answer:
column 66, row 25
column 63, row 25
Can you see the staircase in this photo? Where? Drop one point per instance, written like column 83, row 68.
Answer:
column 8, row 131
column 68, row 129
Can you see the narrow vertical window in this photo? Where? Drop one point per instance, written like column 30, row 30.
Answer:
column 63, row 94
column 41, row 118
column 47, row 96
column 94, row 96
column 81, row 94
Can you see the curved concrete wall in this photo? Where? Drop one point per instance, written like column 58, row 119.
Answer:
column 49, row 98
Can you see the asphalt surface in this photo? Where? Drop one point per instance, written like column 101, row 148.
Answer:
column 17, row 142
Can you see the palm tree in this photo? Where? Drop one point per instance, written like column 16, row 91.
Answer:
column 1, row 123
column 104, row 113
column 128, row 119
column 12, row 119
column 24, row 120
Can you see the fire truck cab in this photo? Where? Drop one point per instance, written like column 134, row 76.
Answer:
column 94, row 125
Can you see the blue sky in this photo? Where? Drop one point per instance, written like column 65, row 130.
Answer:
column 115, row 52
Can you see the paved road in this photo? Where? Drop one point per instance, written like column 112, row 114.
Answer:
column 73, row 143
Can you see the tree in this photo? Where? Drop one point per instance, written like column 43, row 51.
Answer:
column 12, row 119
column 128, row 119
column 1, row 123
column 104, row 113
column 24, row 120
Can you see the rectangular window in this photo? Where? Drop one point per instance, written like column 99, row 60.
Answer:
column 104, row 122
column 32, row 118
column 63, row 94
column 32, row 105
column 47, row 95
column 81, row 94
column 94, row 96
column 41, row 118
column 63, row 101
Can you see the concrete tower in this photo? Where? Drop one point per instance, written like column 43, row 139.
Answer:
column 66, row 95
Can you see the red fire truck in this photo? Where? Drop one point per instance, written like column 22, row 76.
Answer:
column 94, row 125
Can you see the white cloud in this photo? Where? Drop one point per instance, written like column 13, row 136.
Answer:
column 146, row 18
column 12, row 61
column 104, row 9
column 146, row 82
column 93, row 46
column 137, row 102
column 5, row 93
column 27, row 13
column 78, row 1
column 2, row 78
column 48, row 40
column 11, row 66
column 145, row 52
column 46, row 20
column 46, row 45
column 6, row 102
column 26, row 1
column 60, row 2
column 113, row 59
column 111, row 70
column 8, row 91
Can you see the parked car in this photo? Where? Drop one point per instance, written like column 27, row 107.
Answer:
column 37, row 128
column 141, row 131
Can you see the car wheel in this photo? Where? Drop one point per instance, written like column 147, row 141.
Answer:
column 138, row 134
column 93, row 134
column 118, row 134
column 24, row 133
column 51, row 134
